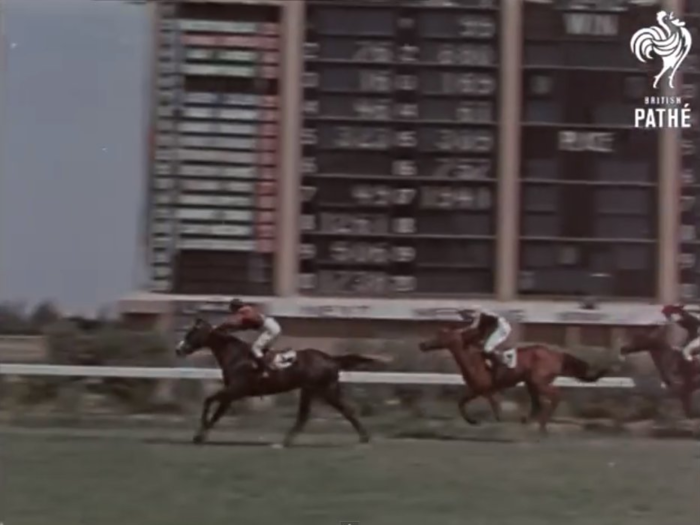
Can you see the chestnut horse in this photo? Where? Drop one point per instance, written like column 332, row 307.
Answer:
column 680, row 376
column 313, row 371
column 537, row 366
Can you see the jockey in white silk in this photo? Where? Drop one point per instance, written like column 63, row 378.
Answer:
column 678, row 315
column 493, row 329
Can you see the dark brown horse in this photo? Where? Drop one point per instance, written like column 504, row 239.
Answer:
column 313, row 371
column 680, row 376
column 537, row 366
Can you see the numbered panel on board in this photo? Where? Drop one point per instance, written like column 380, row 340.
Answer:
column 399, row 163
column 590, row 177
column 216, row 143
column 689, row 242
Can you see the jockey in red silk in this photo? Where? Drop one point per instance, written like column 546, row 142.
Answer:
column 248, row 317
column 493, row 330
column 679, row 315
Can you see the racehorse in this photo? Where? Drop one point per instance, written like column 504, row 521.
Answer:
column 537, row 365
column 680, row 376
column 313, row 371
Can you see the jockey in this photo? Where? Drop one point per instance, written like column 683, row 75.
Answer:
column 248, row 317
column 493, row 330
column 679, row 315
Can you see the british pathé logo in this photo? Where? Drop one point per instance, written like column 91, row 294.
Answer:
column 670, row 41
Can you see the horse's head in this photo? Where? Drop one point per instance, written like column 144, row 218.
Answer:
column 195, row 338
column 445, row 337
column 646, row 339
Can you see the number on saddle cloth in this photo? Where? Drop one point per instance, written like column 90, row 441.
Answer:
column 510, row 357
column 284, row 359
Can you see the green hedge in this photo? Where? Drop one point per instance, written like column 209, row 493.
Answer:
column 111, row 344
column 108, row 345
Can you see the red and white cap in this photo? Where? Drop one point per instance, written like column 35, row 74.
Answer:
column 671, row 309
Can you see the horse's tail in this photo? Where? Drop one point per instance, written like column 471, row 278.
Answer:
column 350, row 361
column 579, row 369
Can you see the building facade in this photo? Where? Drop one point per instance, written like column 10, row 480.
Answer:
column 417, row 149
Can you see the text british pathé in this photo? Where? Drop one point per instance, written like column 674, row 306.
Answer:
column 663, row 112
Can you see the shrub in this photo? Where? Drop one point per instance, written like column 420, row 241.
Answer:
column 108, row 345
column 13, row 320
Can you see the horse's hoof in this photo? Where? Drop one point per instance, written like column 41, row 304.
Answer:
column 198, row 439
column 279, row 446
column 364, row 440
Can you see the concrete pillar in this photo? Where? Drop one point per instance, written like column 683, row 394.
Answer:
column 508, row 213
column 669, row 198
column 288, row 181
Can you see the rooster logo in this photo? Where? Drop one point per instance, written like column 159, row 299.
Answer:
column 670, row 40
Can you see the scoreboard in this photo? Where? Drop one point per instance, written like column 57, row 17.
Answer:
column 689, row 245
column 371, row 148
column 213, row 194
column 589, row 178
column 400, row 149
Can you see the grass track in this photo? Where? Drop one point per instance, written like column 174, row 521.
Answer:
column 76, row 479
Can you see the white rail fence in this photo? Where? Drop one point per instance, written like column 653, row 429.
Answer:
column 386, row 378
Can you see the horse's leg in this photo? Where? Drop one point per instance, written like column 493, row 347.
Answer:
column 466, row 399
column 224, row 398
column 495, row 406
column 686, row 395
column 332, row 395
column 203, row 419
column 469, row 397
column 547, row 390
column 305, row 399
column 535, row 404
column 224, row 405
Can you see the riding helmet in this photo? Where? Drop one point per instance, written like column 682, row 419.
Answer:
column 235, row 305
column 670, row 309
column 467, row 315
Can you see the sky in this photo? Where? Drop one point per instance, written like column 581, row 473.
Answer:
column 72, row 115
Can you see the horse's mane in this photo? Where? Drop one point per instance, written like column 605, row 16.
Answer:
column 229, row 339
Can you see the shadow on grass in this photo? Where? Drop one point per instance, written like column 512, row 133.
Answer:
column 437, row 436
column 239, row 443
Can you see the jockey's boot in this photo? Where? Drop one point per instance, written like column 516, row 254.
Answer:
column 261, row 366
column 497, row 367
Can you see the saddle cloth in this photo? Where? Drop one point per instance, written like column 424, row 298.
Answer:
column 281, row 359
column 509, row 357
